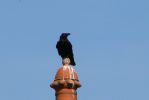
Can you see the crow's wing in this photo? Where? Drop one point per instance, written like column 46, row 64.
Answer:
column 59, row 46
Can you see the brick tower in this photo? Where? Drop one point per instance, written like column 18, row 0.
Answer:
column 66, row 83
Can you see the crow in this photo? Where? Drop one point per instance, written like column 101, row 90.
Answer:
column 64, row 48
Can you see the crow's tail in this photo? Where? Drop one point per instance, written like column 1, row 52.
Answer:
column 72, row 62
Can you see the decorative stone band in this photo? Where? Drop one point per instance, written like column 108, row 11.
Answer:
column 71, row 84
column 66, row 79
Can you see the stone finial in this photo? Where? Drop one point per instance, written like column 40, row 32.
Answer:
column 66, row 61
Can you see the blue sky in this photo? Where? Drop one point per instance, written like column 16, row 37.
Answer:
column 110, row 40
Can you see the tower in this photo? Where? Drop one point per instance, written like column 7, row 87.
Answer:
column 66, row 82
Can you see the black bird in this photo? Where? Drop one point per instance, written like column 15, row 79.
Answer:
column 64, row 48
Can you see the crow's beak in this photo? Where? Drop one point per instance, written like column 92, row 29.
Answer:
column 68, row 34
